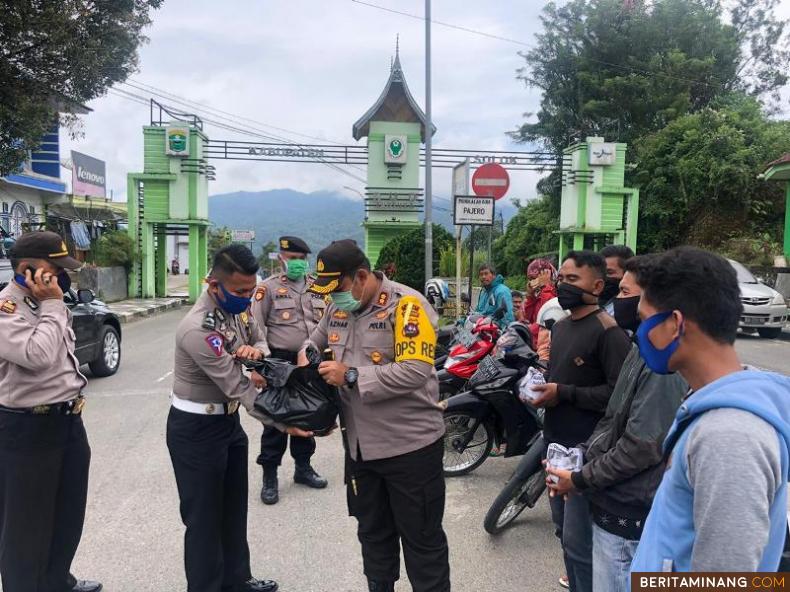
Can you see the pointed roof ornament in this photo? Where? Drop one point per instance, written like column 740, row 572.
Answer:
column 395, row 103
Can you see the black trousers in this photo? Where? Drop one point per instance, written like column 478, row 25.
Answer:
column 209, row 455
column 274, row 442
column 44, row 463
column 401, row 500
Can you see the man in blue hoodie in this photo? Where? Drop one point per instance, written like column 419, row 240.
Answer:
column 494, row 295
column 722, row 502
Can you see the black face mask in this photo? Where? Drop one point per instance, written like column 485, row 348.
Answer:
column 570, row 296
column 610, row 289
column 626, row 313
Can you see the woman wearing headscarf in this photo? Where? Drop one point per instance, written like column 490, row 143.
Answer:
column 541, row 287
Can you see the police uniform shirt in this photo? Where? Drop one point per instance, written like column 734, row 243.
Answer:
column 287, row 311
column 205, row 369
column 37, row 362
column 393, row 407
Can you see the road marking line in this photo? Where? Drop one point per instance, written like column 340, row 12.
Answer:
column 161, row 378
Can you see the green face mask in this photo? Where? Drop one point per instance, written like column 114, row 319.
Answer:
column 345, row 301
column 296, row 269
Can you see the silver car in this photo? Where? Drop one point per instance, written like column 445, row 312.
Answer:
column 764, row 309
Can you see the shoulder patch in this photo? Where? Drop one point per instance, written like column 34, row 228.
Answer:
column 415, row 337
column 8, row 306
column 215, row 342
column 31, row 303
column 209, row 322
column 260, row 293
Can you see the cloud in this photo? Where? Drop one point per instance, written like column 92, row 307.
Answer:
column 314, row 67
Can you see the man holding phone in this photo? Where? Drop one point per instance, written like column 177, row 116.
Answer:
column 44, row 451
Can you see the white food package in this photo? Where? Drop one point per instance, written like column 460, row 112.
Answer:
column 525, row 392
column 559, row 457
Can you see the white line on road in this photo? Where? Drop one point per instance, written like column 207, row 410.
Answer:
column 161, row 378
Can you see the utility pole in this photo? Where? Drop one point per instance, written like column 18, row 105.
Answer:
column 428, row 146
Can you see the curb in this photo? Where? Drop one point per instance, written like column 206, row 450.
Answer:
column 145, row 311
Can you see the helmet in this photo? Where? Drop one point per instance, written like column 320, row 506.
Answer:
column 550, row 313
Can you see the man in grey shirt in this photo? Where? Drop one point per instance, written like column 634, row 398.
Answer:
column 727, row 452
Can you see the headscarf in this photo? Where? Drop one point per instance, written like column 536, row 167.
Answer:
column 539, row 265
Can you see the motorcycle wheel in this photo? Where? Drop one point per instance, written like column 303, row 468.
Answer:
column 522, row 491
column 457, row 425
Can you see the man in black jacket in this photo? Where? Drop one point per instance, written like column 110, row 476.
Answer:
column 623, row 458
column 588, row 350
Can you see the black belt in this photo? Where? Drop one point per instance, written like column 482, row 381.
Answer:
column 73, row 407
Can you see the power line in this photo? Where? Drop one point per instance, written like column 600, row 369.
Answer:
column 529, row 46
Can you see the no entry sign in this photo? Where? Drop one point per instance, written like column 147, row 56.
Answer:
column 491, row 180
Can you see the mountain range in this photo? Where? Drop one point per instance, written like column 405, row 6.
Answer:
column 318, row 218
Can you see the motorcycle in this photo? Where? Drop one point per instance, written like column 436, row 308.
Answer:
column 475, row 340
column 491, row 412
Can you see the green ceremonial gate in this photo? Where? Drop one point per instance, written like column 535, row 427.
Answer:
column 170, row 196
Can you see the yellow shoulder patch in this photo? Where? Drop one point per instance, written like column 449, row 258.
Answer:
column 415, row 337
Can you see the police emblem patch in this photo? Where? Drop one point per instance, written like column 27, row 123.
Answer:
column 9, row 306
column 215, row 342
column 282, row 291
column 320, row 265
column 284, row 245
column 382, row 315
column 245, row 318
column 376, row 357
column 340, row 314
column 411, row 330
column 334, row 338
column 260, row 293
column 383, row 299
column 286, row 315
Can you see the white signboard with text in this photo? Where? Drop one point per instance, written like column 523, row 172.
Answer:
column 474, row 210
column 242, row 236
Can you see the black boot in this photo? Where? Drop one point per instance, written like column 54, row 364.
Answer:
column 269, row 492
column 376, row 586
column 304, row 474
column 253, row 585
column 86, row 586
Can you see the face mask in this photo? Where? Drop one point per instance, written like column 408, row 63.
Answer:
column 656, row 359
column 345, row 301
column 626, row 313
column 64, row 281
column 610, row 289
column 571, row 296
column 296, row 269
column 232, row 303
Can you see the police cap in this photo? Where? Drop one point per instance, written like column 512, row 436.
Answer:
column 293, row 244
column 336, row 260
column 43, row 244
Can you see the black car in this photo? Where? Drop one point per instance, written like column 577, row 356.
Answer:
column 97, row 329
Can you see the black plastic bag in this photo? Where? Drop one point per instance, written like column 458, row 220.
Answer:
column 297, row 397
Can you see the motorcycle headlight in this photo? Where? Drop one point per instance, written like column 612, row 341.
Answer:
column 778, row 299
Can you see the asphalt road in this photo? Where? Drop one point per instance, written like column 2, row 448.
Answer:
column 133, row 537
column 133, row 533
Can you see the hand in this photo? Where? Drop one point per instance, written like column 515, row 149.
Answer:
column 301, row 358
column 292, row 431
column 247, row 352
column 43, row 286
column 258, row 380
column 549, row 395
column 333, row 373
column 565, row 484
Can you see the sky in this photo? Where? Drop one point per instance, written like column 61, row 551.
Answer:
column 314, row 67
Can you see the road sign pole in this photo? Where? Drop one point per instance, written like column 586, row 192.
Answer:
column 471, row 262
column 458, row 271
column 428, row 147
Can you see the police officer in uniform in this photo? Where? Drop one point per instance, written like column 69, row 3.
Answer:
column 208, row 446
column 288, row 312
column 382, row 336
column 44, row 451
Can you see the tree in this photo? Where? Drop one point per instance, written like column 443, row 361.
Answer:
column 216, row 239
column 263, row 258
column 55, row 51
column 699, row 176
column 407, row 254
column 531, row 232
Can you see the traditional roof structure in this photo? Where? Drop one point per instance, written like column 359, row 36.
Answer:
column 395, row 104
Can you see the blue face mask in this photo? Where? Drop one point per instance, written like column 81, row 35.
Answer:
column 656, row 359
column 232, row 303
column 345, row 301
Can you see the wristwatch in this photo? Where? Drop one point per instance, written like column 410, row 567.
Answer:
column 351, row 376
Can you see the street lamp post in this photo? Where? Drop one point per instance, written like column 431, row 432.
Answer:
column 428, row 146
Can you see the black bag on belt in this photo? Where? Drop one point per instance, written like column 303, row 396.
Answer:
column 297, row 397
